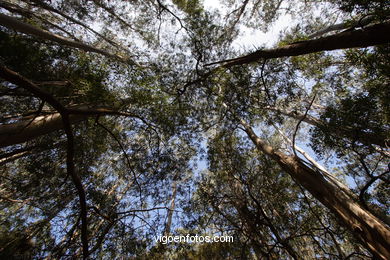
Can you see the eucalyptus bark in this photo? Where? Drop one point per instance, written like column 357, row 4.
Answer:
column 369, row 36
column 326, row 174
column 368, row 229
column 171, row 209
column 26, row 130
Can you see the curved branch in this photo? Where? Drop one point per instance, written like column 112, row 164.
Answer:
column 367, row 186
column 23, row 82
column 124, row 152
column 299, row 122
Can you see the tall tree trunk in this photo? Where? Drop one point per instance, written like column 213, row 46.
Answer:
column 20, row 26
column 362, row 137
column 20, row 132
column 27, row 13
column 25, row 130
column 326, row 174
column 43, row 5
column 369, row 36
column 171, row 209
column 372, row 233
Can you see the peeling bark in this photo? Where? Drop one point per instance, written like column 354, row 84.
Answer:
column 343, row 26
column 368, row 229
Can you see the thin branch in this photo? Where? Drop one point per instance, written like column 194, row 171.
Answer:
column 240, row 11
column 299, row 122
column 124, row 153
column 163, row 7
column 367, row 186
column 43, row 5
column 141, row 210
column 263, row 81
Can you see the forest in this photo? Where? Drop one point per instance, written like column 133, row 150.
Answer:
column 267, row 121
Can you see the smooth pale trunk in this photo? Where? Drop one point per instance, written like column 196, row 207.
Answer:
column 168, row 225
column 15, row 24
column 29, row 129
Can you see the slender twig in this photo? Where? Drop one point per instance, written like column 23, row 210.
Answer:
column 142, row 210
column 299, row 122
column 367, row 186
column 263, row 81
column 163, row 7
column 37, row 113
column 124, row 153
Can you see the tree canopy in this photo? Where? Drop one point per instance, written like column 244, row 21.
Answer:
column 122, row 121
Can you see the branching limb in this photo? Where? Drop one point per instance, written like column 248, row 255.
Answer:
column 19, row 80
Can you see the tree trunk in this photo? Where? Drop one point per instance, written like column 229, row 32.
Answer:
column 369, row 36
column 43, row 5
column 372, row 233
column 168, row 225
column 19, row 26
column 326, row 174
column 28, row 14
column 26, row 130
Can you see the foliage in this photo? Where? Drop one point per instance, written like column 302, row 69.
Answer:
column 159, row 146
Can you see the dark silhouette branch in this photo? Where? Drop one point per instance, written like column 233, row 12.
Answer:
column 367, row 186
column 23, row 82
column 298, row 124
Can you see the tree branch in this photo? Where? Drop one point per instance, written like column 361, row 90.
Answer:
column 19, row 80
column 372, row 35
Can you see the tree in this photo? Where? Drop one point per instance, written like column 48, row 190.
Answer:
column 109, row 106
